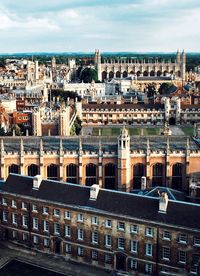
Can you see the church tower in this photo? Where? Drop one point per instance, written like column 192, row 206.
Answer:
column 124, row 161
column 178, row 57
column 64, row 119
column 98, row 64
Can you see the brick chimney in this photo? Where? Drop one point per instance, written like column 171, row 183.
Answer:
column 37, row 181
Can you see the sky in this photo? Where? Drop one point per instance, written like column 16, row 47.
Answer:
column 108, row 25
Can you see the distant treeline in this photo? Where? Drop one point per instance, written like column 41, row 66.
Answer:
column 193, row 59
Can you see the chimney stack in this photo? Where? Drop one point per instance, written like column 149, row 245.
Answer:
column 37, row 181
column 163, row 202
column 94, row 191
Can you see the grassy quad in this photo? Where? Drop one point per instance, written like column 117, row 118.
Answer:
column 112, row 131
column 188, row 130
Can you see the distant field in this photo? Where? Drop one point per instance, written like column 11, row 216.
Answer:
column 187, row 130
column 112, row 131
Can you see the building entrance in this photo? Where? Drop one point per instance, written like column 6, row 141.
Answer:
column 120, row 262
column 57, row 246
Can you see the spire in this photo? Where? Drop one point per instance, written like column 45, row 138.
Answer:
column 41, row 146
column 178, row 57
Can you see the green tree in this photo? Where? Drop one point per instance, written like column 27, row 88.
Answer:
column 88, row 75
column 76, row 128
column 166, row 88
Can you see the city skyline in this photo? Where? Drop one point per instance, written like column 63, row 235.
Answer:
column 112, row 26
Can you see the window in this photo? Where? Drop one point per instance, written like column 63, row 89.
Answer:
column 35, row 239
column 25, row 221
column 35, row 223
column 80, row 251
column 56, row 212
column 80, row 234
column 94, row 254
column 166, row 253
column 45, row 210
column 34, row 208
column 108, row 223
column 148, row 249
column 67, row 231
column 108, row 258
column 46, row 242
column 80, row 217
column 183, row 238
column 166, row 235
column 67, row 215
column 14, row 203
column 45, row 226
column 5, row 216
column 56, row 228
column 197, row 241
column 14, row 218
column 95, row 220
column 121, row 243
column 121, row 226
column 24, row 206
column 133, row 264
column 24, row 236
column 108, row 240
column 182, row 256
column 149, row 232
column 148, row 268
column 134, row 246
column 68, row 248
column 4, row 201
column 14, row 234
column 95, row 237
column 134, row 229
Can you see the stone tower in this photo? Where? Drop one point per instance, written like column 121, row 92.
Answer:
column 183, row 65
column 64, row 119
column 167, row 109
column 36, row 71
column 36, row 123
column 53, row 62
column 178, row 57
column 98, row 64
column 124, row 161
column 178, row 110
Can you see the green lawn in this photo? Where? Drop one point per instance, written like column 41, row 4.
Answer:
column 112, row 131
column 187, row 130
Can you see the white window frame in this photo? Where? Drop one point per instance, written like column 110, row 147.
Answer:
column 56, row 212
column 108, row 240
column 35, row 223
column 108, row 258
column 14, row 218
column 166, row 253
column 35, row 239
column 80, row 234
column 14, row 203
column 94, row 220
column 134, row 246
column 45, row 225
column 80, row 217
column 196, row 241
column 134, row 229
column 46, row 242
column 25, row 221
column 25, row 237
column 121, row 226
column 45, row 210
column 133, row 264
column 68, row 248
column 183, row 238
column 80, row 251
column 56, row 226
column 149, row 232
column 108, row 223
column 166, row 235
column 180, row 257
column 5, row 216
column 148, row 268
column 68, row 215
column 121, row 241
column 149, row 249
column 68, row 231
column 24, row 205
column 34, row 208
column 94, row 254
column 95, row 237
column 4, row 201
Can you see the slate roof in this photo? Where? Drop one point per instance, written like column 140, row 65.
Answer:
column 116, row 203
column 91, row 143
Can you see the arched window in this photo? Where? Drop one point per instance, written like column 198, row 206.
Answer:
column 13, row 169
column 71, row 172
column 152, row 74
column 138, row 73
column 33, row 170
column 125, row 74
column 118, row 74
column 145, row 74
column 157, row 179
column 177, row 176
column 91, row 174
column 159, row 73
column 110, row 176
column 131, row 73
column 111, row 75
column 52, row 172
column 104, row 75
column 138, row 172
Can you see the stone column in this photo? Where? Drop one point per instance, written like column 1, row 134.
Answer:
column 80, row 165
column 167, row 155
column 187, row 167
column 61, row 153
column 41, row 155
column 100, row 164
column 148, row 164
column 22, row 157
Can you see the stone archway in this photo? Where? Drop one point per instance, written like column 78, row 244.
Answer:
column 120, row 261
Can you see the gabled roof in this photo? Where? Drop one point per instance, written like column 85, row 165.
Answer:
column 138, row 207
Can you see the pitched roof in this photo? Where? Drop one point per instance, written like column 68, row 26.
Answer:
column 179, row 214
